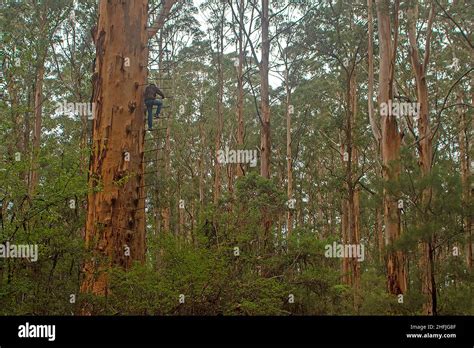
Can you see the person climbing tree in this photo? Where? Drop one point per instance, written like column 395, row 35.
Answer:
column 150, row 99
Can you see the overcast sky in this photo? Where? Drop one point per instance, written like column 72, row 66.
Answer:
column 202, row 18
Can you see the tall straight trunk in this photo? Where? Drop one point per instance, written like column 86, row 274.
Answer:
column 372, row 120
column 350, row 204
column 425, row 150
column 38, row 112
column 24, row 139
column 157, row 216
column 38, row 107
column 181, row 227
column 354, row 211
column 159, row 144
column 370, row 84
column 115, row 226
column 157, row 25
column 18, row 133
column 201, row 165
column 390, row 148
column 265, row 142
column 240, row 88
column 166, row 210
column 220, row 112
column 345, row 216
column 346, row 276
column 230, row 169
column 289, row 159
column 464, row 147
column 379, row 231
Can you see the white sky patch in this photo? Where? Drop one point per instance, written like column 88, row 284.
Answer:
column 203, row 19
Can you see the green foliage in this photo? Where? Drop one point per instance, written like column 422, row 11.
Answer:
column 224, row 259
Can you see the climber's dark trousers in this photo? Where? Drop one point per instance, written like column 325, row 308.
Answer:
column 149, row 106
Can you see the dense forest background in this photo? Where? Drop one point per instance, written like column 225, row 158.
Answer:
column 239, row 238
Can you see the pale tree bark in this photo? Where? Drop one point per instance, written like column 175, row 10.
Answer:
column 21, row 140
column 350, row 203
column 166, row 210
column 370, row 86
column 201, row 165
column 289, row 158
column 373, row 122
column 220, row 111
column 390, row 148
column 265, row 142
column 240, row 88
column 157, row 25
column 425, row 150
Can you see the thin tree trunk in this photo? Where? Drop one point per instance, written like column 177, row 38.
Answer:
column 463, row 138
column 220, row 112
column 345, row 221
column 425, row 150
column 265, row 142
column 373, row 122
column 354, row 204
column 289, row 159
column 159, row 145
column 240, row 88
column 166, row 211
column 38, row 111
column 201, row 165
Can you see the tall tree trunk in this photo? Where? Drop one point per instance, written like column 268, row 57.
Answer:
column 390, row 148
column 464, row 146
column 201, row 164
column 157, row 25
column 289, row 159
column 220, row 112
column 425, row 150
column 350, row 204
column 373, row 123
column 115, row 226
column 159, row 144
column 166, row 210
column 354, row 211
column 265, row 142
column 240, row 88
column 38, row 111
